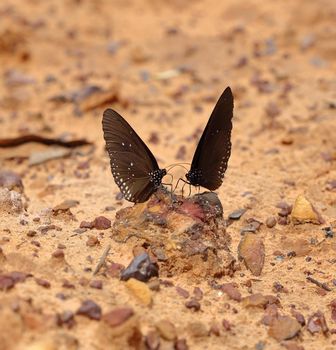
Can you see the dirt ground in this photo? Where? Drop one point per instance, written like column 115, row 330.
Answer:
column 162, row 65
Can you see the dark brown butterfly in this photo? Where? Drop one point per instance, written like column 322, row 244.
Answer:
column 134, row 168
column 214, row 147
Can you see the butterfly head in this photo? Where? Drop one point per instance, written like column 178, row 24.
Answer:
column 194, row 176
column 156, row 176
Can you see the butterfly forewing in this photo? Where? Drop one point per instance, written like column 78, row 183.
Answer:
column 132, row 163
column 214, row 148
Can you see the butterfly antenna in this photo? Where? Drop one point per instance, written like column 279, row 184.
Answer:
column 177, row 164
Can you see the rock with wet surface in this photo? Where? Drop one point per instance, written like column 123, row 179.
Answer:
column 188, row 233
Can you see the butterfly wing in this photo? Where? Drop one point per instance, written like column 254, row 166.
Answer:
column 214, row 148
column 132, row 163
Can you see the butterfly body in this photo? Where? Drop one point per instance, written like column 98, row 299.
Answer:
column 214, row 148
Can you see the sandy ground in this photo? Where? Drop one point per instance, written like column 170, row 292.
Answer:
column 165, row 63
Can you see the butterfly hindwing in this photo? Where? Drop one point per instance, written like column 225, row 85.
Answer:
column 131, row 160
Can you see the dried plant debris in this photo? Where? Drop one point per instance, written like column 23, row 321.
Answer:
column 21, row 140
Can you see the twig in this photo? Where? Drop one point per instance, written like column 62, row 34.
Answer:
column 319, row 284
column 102, row 259
column 17, row 141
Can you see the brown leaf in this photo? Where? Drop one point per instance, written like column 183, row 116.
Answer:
column 251, row 249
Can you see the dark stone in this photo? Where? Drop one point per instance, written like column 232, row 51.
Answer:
column 140, row 268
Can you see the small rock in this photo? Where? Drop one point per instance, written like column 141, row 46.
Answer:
column 96, row 284
column 11, row 181
column 166, row 329
column 304, row 212
column 237, row 214
column 65, row 205
column 193, row 304
column 11, row 202
column 231, row 291
column 152, row 340
column 299, row 317
column 259, row 300
column 101, row 223
column 140, row 268
column 115, row 269
column 58, row 254
column 317, row 323
column 43, row 283
column 226, row 325
column 198, row 293
column 184, row 293
column 251, row 249
column 181, row 344
column 66, row 318
column 197, row 329
column 214, row 329
column 118, row 316
column 271, row 222
column 86, row 224
column 140, row 290
column 283, row 328
column 90, row 309
column 92, row 241
column 253, row 226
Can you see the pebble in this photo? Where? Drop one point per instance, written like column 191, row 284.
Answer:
column 231, row 291
column 152, row 340
column 140, row 290
column 184, row 293
column 284, row 328
column 101, row 223
column 251, row 249
column 11, row 181
column 317, row 323
column 118, row 316
column 97, row 284
column 92, row 241
column 166, row 330
column 226, row 325
column 198, row 293
column 43, row 283
column 86, row 224
column 303, row 212
column 66, row 318
column 58, row 254
column 140, row 268
column 181, row 344
column 193, row 304
column 198, row 329
column 90, row 309
column 271, row 222
column 237, row 214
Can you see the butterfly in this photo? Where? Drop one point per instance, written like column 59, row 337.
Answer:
column 213, row 151
column 134, row 168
